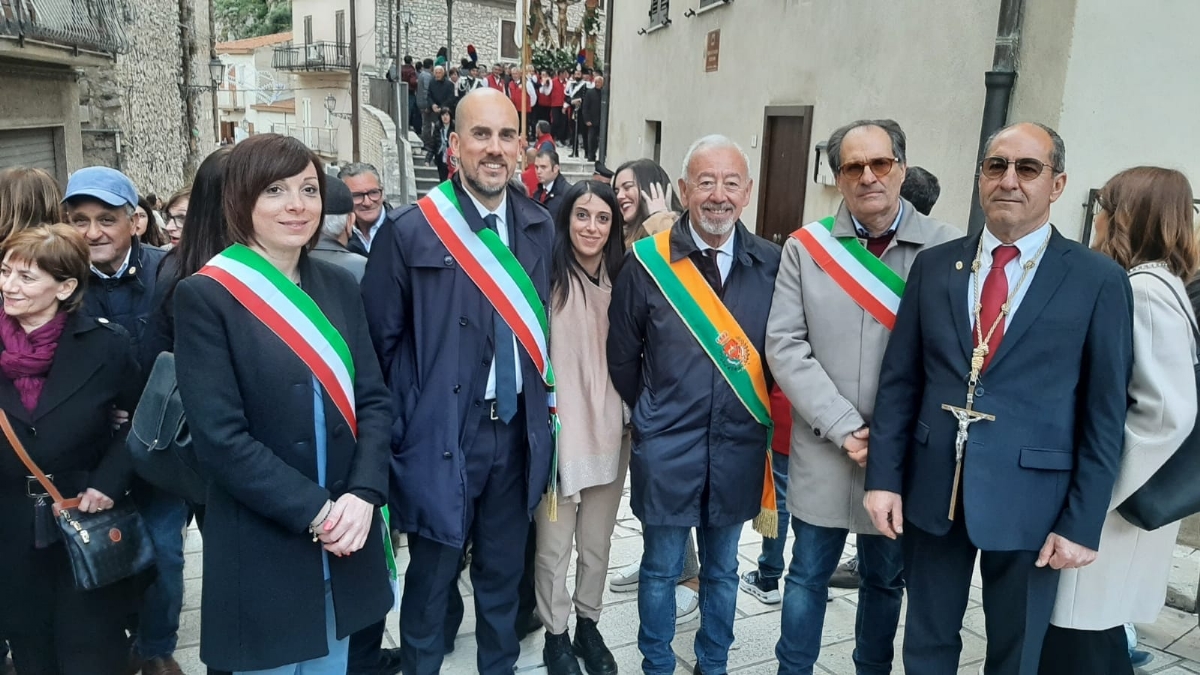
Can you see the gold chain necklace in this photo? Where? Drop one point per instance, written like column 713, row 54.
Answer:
column 980, row 352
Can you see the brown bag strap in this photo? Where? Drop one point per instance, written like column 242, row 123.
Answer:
column 33, row 468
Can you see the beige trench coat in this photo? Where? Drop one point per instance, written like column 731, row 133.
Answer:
column 1128, row 580
column 825, row 352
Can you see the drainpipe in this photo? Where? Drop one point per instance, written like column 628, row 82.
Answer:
column 606, row 94
column 999, row 82
column 355, row 142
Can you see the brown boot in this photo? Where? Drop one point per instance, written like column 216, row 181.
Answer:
column 165, row 665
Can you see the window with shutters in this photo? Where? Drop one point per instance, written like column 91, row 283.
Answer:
column 308, row 29
column 660, row 12
column 339, row 27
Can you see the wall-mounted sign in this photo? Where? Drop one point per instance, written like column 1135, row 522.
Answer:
column 712, row 51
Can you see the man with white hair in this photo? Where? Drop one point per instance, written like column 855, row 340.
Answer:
column 336, row 228
column 688, row 322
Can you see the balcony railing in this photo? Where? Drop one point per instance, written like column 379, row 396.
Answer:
column 92, row 25
column 312, row 56
column 320, row 140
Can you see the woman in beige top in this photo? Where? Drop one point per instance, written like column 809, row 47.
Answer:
column 1145, row 224
column 648, row 204
column 592, row 460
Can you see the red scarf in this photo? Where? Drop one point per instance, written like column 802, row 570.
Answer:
column 27, row 357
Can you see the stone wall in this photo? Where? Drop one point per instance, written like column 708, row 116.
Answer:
column 137, row 115
column 476, row 22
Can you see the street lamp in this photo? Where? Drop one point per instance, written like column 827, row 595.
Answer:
column 216, row 71
column 331, row 106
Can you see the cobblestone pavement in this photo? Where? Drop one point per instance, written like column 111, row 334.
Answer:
column 1174, row 639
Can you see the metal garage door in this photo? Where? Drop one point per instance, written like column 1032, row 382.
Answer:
column 29, row 147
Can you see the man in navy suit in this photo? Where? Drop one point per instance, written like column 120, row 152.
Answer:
column 1049, row 325
column 471, row 440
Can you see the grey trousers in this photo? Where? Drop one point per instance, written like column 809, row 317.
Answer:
column 588, row 527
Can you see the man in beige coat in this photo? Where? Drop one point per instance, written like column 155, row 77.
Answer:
column 836, row 293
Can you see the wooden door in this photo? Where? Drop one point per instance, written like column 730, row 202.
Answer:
column 787, row 134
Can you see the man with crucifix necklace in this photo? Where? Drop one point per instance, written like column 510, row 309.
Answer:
column 998, row 422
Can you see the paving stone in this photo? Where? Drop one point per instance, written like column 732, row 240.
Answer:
column 1172, row 624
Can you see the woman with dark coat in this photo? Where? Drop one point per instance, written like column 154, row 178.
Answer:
column 290, row 421
column 60, row 376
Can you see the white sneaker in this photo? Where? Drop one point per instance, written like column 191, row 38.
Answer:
column 625, row 579
column 687, row 604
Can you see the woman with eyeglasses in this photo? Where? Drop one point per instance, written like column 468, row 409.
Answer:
column 176, row 209
column 1145, row 225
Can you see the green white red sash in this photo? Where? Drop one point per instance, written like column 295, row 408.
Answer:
column 293, row 316
column 866, row 279
column 296, row 319
column 723, row 340
column 493, row 268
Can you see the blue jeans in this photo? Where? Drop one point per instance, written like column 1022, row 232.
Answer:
column 158, row 621
column 815, row 555
column 662, row 562
column 334, row 663
column 770, row 561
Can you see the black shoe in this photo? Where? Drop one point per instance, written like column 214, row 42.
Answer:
column 389, row 662
column 589, row 646
column 558, row 657
column 528, row 624
column 846, row 575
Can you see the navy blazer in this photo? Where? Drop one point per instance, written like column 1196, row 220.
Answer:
column 432, row 328
column 249, row 402
column 692, row 436
column 1057, row 386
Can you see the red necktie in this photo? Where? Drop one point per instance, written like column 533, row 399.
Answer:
column 995, row 294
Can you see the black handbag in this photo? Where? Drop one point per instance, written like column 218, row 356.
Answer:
column 1172, row 493
column 103, row 547
column 159, row 441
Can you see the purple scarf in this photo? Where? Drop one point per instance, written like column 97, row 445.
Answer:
column 27, row 357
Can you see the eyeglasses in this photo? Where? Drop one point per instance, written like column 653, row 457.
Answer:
column 373, row 195
column 880, row 167
column 1028, row 168
column 174, row 219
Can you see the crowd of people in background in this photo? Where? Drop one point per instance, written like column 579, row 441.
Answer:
column 482, row 371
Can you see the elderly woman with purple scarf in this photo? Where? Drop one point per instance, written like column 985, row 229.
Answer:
column 61, row 375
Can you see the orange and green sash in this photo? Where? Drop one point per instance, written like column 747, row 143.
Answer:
column 296, row 319
column 866, row 279
column 720, row 336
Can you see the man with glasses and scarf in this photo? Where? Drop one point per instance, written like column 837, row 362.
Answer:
column 839, row 283
column 1000, row 414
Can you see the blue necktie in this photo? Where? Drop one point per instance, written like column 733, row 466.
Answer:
column 506, row 366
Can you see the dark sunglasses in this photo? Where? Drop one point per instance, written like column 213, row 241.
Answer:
column 880, row 167
column 1027, row 168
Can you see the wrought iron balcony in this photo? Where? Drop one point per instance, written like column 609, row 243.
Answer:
column 314, row 56
column 91, row 25
column 320, row 140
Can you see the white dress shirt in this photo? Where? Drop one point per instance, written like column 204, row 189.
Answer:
column 121, row 270
column 1029, row 245
column 724, row 251
column 366, row 242
column 501, row 214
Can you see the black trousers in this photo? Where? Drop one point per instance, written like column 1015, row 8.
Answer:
column 593, row 141
column 496, row 504
column 70, row 632
column 558, row 124
column 1017, row 601
column 1085, row 652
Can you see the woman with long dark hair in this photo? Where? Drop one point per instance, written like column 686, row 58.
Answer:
column 204, row 235
column 648, row 204
column 291, row 423
column 1145, row 225
column 592, row 460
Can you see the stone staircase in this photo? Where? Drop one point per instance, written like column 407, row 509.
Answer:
column 574, row 170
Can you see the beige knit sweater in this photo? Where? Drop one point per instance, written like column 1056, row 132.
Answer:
column 589, row 445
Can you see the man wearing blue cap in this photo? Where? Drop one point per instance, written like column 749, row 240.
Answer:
column 100, row 203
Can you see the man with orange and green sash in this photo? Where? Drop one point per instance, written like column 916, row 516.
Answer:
column 836, row 296
column 688, row 321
